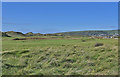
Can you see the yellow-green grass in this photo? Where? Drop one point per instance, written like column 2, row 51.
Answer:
column 64, row 56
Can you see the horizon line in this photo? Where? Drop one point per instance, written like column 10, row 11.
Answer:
column 61, row 31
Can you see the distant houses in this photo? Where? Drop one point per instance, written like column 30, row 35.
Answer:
column 105, row 36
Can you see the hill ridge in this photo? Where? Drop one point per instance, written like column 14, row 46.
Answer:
column 71, row 33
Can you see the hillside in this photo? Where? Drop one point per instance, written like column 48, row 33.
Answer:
column 33, row 34
column 90, row 33
column 4, row 34
column 73, row 33
column 14, row 34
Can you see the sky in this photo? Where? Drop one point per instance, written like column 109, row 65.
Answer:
column 60, row 0
column 54, row 17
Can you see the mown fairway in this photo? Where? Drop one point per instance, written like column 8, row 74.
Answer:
column 60, row 56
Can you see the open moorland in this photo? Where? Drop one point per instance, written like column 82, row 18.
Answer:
column 59, row 55
column 60, row 38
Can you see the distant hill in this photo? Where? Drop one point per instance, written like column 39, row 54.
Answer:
column 73, row 33
column 4, row 34
column 90, row 33
column 33, row 34
column 14, row 34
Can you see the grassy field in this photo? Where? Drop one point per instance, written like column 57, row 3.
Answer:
column 62, row 56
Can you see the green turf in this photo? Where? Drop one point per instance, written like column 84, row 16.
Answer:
column 64, row 56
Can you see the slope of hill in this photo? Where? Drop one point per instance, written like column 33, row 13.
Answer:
column 15, row 34
column 73, row 33
column 4, row 34
column 33, row 34
column 90, row 33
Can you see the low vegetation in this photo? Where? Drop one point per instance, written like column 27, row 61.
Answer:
column 59, row 55
column 98, row 44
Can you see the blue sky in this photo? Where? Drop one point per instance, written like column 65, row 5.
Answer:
column 53, row 17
